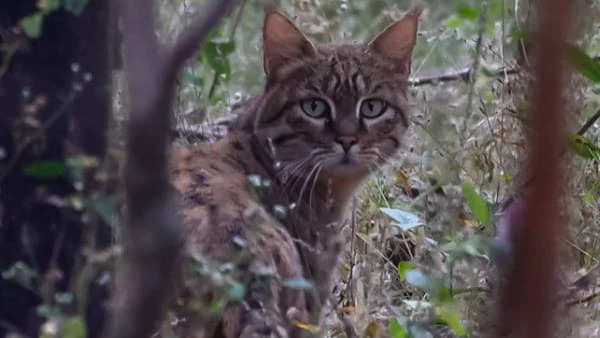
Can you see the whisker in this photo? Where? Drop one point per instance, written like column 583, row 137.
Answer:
column 313, row 170
column 375, row 153
column 312, row 189
column 290, row 169
column 291, row 185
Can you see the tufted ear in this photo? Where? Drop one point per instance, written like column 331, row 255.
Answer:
column 397, row 41
column 283, row 42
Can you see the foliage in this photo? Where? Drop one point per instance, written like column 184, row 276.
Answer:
column 419, row 264
column 33, row 24
column 476, row 203
column 589, row 67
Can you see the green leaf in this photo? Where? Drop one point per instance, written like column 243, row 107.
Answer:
column 216, row 99
column 587, row 66
column 450, row 316
column 104, row 206
column 21, row 274
column 454, row 22
column 224, row 46
column 417, row 279
column 45, row 169
column 48, row 6
column 217, row 307
column 402, row 268
column 521, row 34
column 64, row 298
column 236, row 291
column 76, row 7
column 298, row 283
column 467, row 12
column 405, row 220
column 443, row 295
column 73, row 327
column 215, row 52
column 32, row 25
column 583, row 146
column 397, row 330
column 476, row 203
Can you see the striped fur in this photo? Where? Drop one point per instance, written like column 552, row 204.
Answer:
column 314, row 160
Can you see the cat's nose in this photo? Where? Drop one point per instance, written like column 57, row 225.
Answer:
column 346, row 141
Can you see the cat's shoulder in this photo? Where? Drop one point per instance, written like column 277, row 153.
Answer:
column 219, row 164
column 212, row 187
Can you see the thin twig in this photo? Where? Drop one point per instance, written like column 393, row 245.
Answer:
column 584, row 300
column 463, row 75
column 475, row 69
column 350, row 285
column 590, row 122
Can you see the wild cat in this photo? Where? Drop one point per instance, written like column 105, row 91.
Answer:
column 329, row 116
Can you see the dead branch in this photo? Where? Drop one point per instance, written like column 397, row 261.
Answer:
column 463, row 75
column 590, row 122
column 527, row 307
column 152, row 236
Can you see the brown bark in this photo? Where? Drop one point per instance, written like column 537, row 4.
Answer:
column 528, row 298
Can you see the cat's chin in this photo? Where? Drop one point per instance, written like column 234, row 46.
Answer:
column 350, row 169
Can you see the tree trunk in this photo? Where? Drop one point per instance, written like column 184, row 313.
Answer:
column 54, row 104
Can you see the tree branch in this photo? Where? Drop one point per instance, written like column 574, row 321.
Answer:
column 590, row 122
column 463, row 75
column 188, row 42
column 527, row 308
column 152, row 237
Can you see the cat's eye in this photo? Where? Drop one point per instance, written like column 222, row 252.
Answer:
column 315, row 108
column 372, row 108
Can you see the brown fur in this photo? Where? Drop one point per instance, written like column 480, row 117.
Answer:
column 314, row 165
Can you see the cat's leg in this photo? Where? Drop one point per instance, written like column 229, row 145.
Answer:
column 269, row 309
column 321, row 263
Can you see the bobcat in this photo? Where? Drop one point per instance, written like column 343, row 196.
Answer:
column 270, row 197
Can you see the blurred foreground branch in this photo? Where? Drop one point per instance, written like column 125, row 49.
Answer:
column 527, row 308
column 152, row 236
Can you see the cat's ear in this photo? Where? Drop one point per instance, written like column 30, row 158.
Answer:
column 397, row 41
column 283, row 42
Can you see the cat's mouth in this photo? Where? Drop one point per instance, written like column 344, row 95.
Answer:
column 347, row 168
column 346, row 163
column 347, row 159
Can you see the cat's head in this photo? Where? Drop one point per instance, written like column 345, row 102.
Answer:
column 340, row 109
